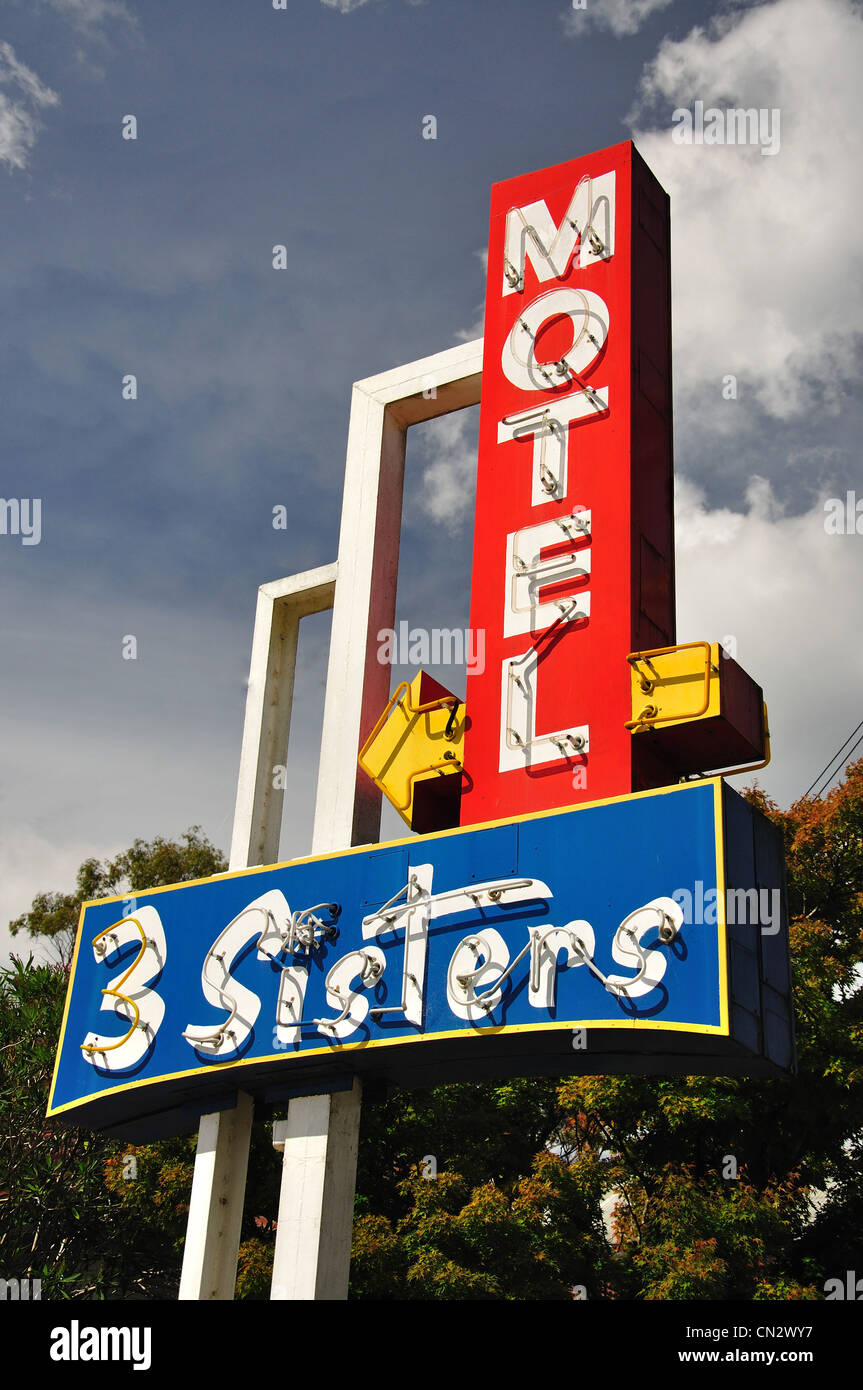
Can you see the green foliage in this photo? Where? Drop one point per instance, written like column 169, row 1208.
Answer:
column 152, row 1184
column 620, row 1184
column 60, row 1220
column 93, row 1217
column 503, row 1217
column 254, row 1269
column 53, row 917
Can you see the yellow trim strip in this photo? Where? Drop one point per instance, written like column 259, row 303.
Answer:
column 721, row 924
column 79, row 937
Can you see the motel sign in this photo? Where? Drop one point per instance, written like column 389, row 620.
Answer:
column 567, row 811
column 574, row 547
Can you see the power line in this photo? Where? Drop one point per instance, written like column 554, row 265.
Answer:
column 845, row 759
column 836, row 755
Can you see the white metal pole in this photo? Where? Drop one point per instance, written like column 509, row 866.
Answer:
column 313, row 1238
column 348, row 806
column 216, row 1206
column 222, row 1157
column 319, row 1139
column 319, row 1164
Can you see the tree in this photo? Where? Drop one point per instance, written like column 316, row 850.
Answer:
column 62, row 1217
column 89, row 1216
column 53, row 917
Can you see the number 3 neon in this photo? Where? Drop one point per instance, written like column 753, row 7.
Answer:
column 128, row 995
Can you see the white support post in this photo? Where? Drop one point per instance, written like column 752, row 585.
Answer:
column 221, row 1161
column 348, row 808
column 258, row 811
column 321, row 1133
column 216, row 1206
column 313, row 1240
column 319, row 1140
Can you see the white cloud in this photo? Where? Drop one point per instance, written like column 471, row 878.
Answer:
column 19, row 122
column 344, row 6
column 622, row 17
column 90, row 13
column 767, row 253
column 477, row 328
column 782, row 588
column 449, row 481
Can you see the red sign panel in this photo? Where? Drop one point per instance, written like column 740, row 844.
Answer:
column 573, row 562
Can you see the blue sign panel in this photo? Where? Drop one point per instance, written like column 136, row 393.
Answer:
column 544, row 944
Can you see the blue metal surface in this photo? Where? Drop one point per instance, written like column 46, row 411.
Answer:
column 592, row 866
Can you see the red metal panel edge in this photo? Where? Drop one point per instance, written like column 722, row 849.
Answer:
column 619, row 467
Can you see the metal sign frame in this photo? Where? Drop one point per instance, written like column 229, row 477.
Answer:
column 319, row 1139
column 312, row 1255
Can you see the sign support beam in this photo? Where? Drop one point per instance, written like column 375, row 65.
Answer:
column 269, row 700
column 216, row 1206
column 348, row 809
column 319, row 1141
column 221, row 1161
column 319, row 1168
